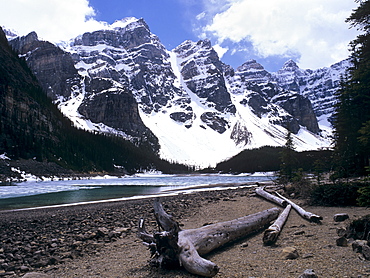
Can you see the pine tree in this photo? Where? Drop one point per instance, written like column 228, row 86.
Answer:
column 287, row 169
column 353, row 107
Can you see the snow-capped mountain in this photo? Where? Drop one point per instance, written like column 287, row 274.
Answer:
column 318, row 85
column 185, row 103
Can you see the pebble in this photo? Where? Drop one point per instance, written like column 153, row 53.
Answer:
column 36, row 275
column 308, row 273
column 308, row 255
column 245, row 244
column 290, row 253
column 366, row 252
column 340, row 217
column 341, row 231
column 357, row 245
column 342, row 241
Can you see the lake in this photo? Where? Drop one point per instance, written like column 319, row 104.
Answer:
column 37, row 193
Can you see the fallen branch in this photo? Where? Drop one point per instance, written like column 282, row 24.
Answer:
column 210, row 237
column 271, row 234
column 174, row 247
column 305, row 214
column 261, row 192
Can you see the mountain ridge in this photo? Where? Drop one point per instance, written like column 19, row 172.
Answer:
column 35, row 137
column 199, row 110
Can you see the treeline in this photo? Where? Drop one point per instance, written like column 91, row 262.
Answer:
column 83, row 151
column 32, row 127
column 352, row 117
column 270, row 159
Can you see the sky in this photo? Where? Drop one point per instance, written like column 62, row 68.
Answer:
column 311, row 32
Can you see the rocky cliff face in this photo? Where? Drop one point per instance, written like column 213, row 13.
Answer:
column 103, row 101
column 114, row 106
column 26, row 118
column 53, row 67
column 123, row 80
column 318, row 85
column 202, row 72
column 264, row 94
column 132, row 56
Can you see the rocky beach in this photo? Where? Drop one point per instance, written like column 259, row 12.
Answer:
column 99, row 240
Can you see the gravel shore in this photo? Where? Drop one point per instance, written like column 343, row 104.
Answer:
column 99, row 240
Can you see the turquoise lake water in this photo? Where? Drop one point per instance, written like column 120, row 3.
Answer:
column 47, row 193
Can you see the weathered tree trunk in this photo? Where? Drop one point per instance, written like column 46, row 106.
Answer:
column 305, row 214
column 261, row 192
column 207, row 238
column 174, row 247
column 271, row 234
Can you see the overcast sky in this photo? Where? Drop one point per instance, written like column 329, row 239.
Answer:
column 311, row 32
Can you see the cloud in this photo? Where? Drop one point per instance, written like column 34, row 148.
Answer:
column 53, row 20
column 200, row 16
column 220, row 50
column 314, row 30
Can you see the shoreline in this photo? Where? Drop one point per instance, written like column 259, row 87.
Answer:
column 16, row 171
column 99, row 240
column 186, row 189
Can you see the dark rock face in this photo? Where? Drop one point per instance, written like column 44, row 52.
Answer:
column 202, row 72
column 253, row 72
column 114, row 107
column 22, row 117
column 215, row 121
column 287, row 121
column 258, row 104
column 240, row 134
column 53, row 67
column 300, row 108
column 181, row 116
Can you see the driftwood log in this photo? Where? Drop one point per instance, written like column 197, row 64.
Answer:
column 305, row 214
column 174, row 247
column 281, row 200
column 271, row 234
column 268, row 196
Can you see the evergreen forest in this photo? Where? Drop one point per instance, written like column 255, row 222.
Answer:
column 352, row 117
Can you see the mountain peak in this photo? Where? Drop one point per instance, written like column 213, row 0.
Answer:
column 122, row 23
column 205, row 43
column 3, row 41
column 253, row 71
column 126, row 33
column 129, row 23
column 10, row 34
column 250, row 64
column 290, row 65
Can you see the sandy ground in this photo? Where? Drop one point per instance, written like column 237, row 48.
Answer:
column 316, row 245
